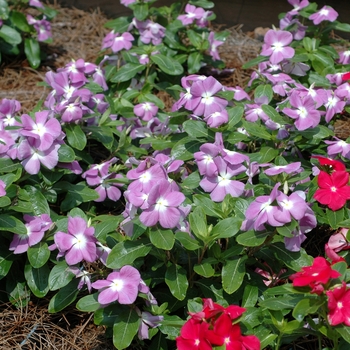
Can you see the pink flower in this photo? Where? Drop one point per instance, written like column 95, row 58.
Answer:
column 163, row 206
column 118, row 42
column 121, row 286
column 146, row 110
column 326, row 13
column 276, row 45
column 192, row 13
column 339, row 305
column 78, row 243
column 213, row 45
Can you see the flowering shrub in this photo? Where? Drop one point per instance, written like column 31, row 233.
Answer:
column 21, row 31
column 190, row 226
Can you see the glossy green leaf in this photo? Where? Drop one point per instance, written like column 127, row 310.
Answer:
column 167, row 64
column 204, row 269
column 226, row 228
column 140, row 11
column 250, row 296
column 10, row 35
column 19, row 20
column 127, row 72
column 66, row 154
column 125, row 253
column 233, row 273
column 60, row 276
column 64, row 297
column 161, row 238
column 198, row 223
column 37, row 279
column 264, row 90
column 6, row 260
column 185, row 239
column 120, row 24
column 335, row 217
column 176, row 279
column 102, row 134
column 38, row 254
column 75, row 136
column 251, row 238
column 32, row 51
column 194, row 62
column 88, row 303
column 125, row 328
column 305, row 307
column 12, row 224
column 38, row 201
column 196, row 129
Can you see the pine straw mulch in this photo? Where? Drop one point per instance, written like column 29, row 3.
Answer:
column 79, row 34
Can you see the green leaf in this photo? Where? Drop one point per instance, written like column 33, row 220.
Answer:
column 125, row 253
column 255, row 62
column 191, row 181
column 105, row 227
column 335, row 217
column 250, row 296
column 89, row 303
column 287, row 229
column 66, row 154
column 264, row 90
column 38, row 201
column 32, row 51
column 127, row 72
column 140, row 11
column 37, row 279
column 259, row 131
column 102, row 134
column 198, row 223
column 4, row 9
column 38, row 254
column 196, row 129
column 60, row 276
column 65, row 296
column 204, row 269
column 17, row 290
column 120, row 24
column 185, row 239
column 251, row 238
column 281, row 303
column 233, row 273
column 344, row 331
column 8, row 166
column 75, row 136
column 194, row 62
column 235, row 115
column 4, row 201
column 318, row 80
column 226, row 228
column 6, row 260
column 10, row 35
column 12, row 224
column 125, row 328
column 167, row 64
column 305, row 307
column 161, row 238
column 184, row 149
column 176, row 279
column 273, row 114
column 344, row 27
column 294, row 260
column 19, row 20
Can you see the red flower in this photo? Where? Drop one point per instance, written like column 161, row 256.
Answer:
column 193, row 336
column 339, row 305
column 230, row 335
column 315, row 276
column 346, row 76
column 331, row 164
column 334, row 190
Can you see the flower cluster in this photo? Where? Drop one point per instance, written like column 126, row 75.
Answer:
column 215, row 325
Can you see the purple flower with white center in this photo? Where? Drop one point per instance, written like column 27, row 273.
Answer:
column 146, row 176
column 163, row 206
column 281, row 83
column 240, row 94
column 318, row 95
column 32, row 158
column 291, row 206
column 192, row 13
column 298, row 5
column 147, row 321
column 326, row 13
column 288, row 169
column 203, row 22
column 336, row 78
column 44, row 129
column 121, row 286
column 222, row 184
column 296, row 68
column 213, row 45
column 8, row 110
column 344, row 57
column 6, row 142
column 36, row 227
column 118, row 42
column 76, row 71
column 42, row 27
column 146, row 110
column 205, row 159
column 303, row 111
column 36, row 3
column 216, row 119
column 261, row 211
column 78, row 244
column 60, row 84
column 297, row 29
column 333, row 105
column 98, row 102
column 70, row 111
column 253, row 111
column 343, row 91
column 276, row 45
column 203, row 101
column 149, row 31
column 338, row 147
column 84, row 277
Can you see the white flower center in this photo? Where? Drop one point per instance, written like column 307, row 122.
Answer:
column 161, row 204
column 117, row 285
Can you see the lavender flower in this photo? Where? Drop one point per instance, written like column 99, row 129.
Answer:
column 192, row 13
column 118, row 42
column 121, row 286
column 326, row 13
